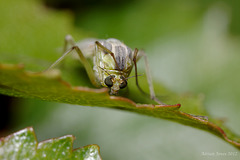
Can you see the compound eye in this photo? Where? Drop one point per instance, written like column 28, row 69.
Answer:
column 123, row 84
column 108, row 81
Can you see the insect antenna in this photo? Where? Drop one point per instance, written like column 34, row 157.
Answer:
column 108, row 51
column 133, row 76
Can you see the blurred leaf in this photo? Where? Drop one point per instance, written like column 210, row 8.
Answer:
column 23, row 145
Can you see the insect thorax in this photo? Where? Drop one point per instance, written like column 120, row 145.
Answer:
column 104, row 64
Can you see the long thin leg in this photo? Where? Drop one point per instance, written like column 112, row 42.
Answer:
column 149, row 77
column 86, row 64
column 135, row 65
column 59, row 59
column 68, row 41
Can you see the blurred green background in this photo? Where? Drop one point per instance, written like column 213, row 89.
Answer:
column 193, row 46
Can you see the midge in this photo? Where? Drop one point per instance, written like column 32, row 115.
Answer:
column 112, row 63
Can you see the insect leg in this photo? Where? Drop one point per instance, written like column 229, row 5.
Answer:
column 86, row 65
column 59, row 60
column 135, row 65
column 68, row 40
column 149, row 77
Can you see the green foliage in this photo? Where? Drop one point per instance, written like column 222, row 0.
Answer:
column 31, row 41
column 23, row 145
column 49, row 86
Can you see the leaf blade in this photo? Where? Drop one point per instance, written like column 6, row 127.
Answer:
column 23, row 145
column 53, row 88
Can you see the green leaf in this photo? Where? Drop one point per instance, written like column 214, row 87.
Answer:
column 23, row 145
column 29, row 35
column 49, row 86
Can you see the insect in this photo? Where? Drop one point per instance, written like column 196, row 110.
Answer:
column 112, row 63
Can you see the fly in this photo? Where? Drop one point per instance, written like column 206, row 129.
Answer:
column 112, row 63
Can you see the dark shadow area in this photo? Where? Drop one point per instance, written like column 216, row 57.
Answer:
column 6, row 104
column 81, row 5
